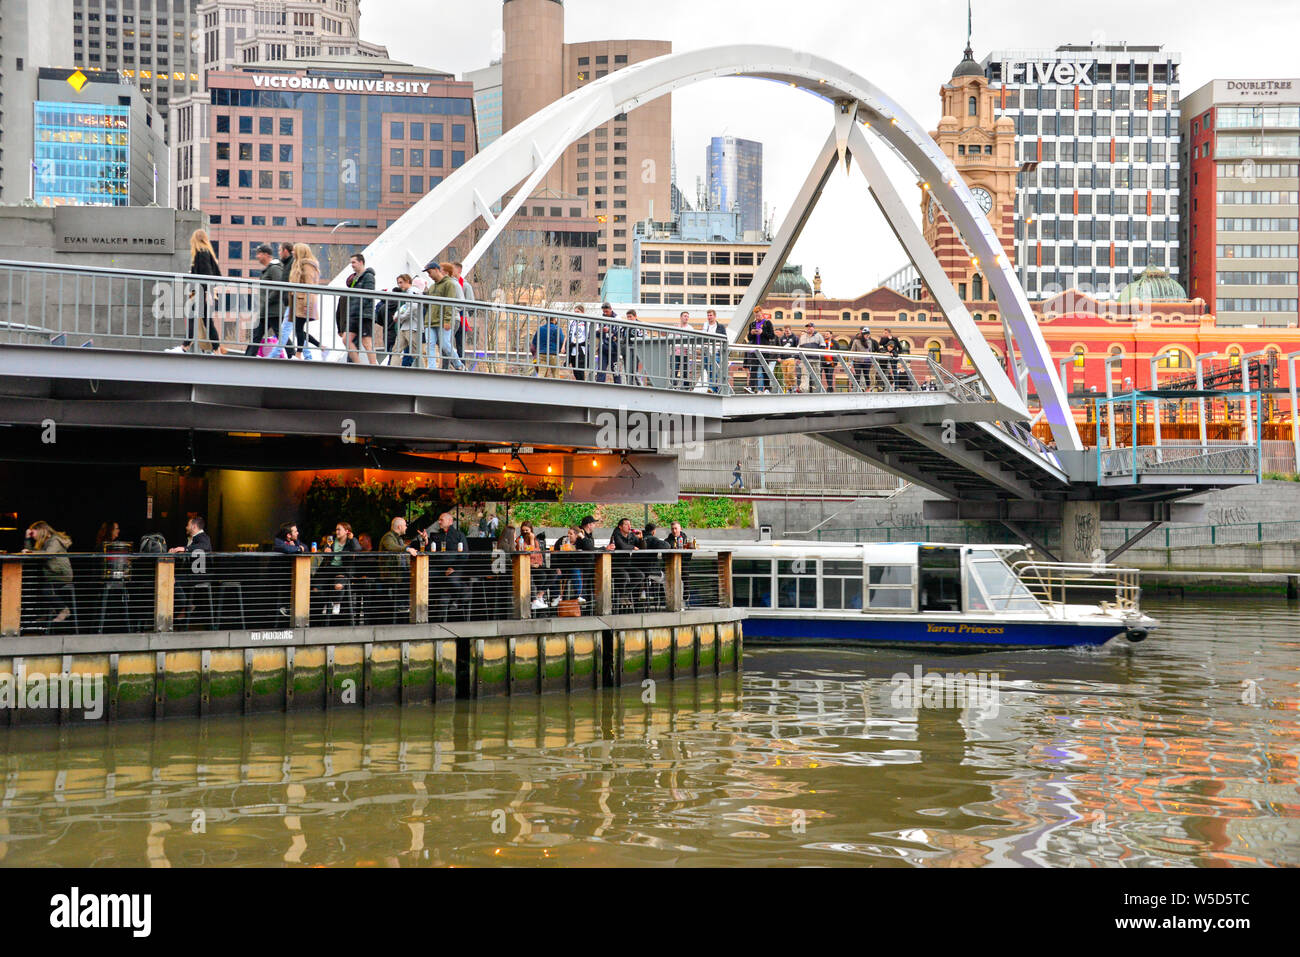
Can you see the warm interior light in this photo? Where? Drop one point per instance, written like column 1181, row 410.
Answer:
column 595, row 464
column 549, row 470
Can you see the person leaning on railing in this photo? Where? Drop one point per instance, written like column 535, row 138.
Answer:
column 547, row 344
column 56, row 570
column 567, row 566
column 577, row 339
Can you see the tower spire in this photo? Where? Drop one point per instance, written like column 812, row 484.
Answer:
column 970, row 52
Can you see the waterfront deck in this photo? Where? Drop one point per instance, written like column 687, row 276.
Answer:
column 371, row 651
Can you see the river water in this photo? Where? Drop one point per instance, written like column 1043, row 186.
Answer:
column 1179, row 751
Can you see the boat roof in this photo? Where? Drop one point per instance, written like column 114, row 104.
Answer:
column 871, row 551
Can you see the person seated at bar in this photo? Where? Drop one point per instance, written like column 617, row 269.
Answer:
column 542, row 578
column 567, row 565
column 447, row 580
column 339, row 568
column 56, row 571
column 286, row 540
column 629, row 580
column 396, row 553
column 197, row 548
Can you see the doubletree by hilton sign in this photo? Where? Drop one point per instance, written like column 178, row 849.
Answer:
column 340, row 84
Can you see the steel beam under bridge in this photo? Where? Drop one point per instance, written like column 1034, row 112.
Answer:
column 1053, row 511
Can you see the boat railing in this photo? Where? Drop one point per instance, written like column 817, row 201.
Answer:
column 1052, row 583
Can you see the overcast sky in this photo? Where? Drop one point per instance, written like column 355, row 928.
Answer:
column 906, row 48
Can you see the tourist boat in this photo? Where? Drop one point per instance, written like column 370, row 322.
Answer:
column 937, row 596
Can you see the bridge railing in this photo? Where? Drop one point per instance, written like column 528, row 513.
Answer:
column 268, row 592
column 1210, row 459
column 781, row 370
column 46, row 304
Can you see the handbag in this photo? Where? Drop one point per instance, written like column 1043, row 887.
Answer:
column 568, row 608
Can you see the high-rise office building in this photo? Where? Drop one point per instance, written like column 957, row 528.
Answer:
column 735, row 171
column 1241, row 174
column 97, row 141
column 32, row 35
column 624, row 166
column 154, row 43
column 487, row 103
column 249, row 33
column 1097, row 146
column 328, row 152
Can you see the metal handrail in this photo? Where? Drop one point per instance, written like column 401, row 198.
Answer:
column 1050, row 582
column 145, row 310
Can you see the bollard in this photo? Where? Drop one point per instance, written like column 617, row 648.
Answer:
column 419, row 589
column 300, row 593
column 521, row 595
column 11, row 598
column 602, row 586
column 164, row 594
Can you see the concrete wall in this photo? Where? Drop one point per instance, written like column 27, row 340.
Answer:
column 27, row 235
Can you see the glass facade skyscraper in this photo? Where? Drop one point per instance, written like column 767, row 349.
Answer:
column 82, row 154
column 327, row 157
column 735, row 179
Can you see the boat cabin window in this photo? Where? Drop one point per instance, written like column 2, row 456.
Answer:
column 889, row 587
column 992, row 586
column 796, row 583
column 841, row 584
column 940, row 579
column 751, row 583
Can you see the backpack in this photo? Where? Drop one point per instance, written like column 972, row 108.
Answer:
column 153, row 544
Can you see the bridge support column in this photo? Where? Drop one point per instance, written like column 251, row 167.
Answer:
column 1081, row 532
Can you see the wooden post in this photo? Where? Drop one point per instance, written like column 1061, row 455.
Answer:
column 673, row 592
column 602, row 587
column 419, row 589
column 300, row 602
column 11, row 599
column 164, row 594
column 521, row 596
column 724, row 579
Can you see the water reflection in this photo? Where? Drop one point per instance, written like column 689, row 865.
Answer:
column 1179, row 751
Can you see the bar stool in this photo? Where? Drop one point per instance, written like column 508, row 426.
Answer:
column 113, row 593
column 230, row 589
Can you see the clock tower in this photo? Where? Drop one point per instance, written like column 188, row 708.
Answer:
column 983, row 149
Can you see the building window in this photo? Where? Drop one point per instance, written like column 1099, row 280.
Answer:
column 395, row 184
column 286, row 182
column 223, row 177
column 265, row 125
column 234, row 250
column 246, row 125
column 286, row 126
column 245, row 179
column 417, row 131
column 223, row 124
column 972, row 107
column 396, row 157
column 286, row 152
column 416, row 184
column 264, row 152
column 457, row 159
column 458, row 133
column 397, row 131
column 223, row 151
column 265, row 179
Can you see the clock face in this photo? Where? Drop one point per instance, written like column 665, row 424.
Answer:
column 983, row 197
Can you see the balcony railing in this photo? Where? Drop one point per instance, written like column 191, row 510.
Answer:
column 117, row 592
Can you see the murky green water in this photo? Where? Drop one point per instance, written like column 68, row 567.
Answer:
column 1179, row 751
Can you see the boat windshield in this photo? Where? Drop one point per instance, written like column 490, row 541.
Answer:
column 992, row 586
